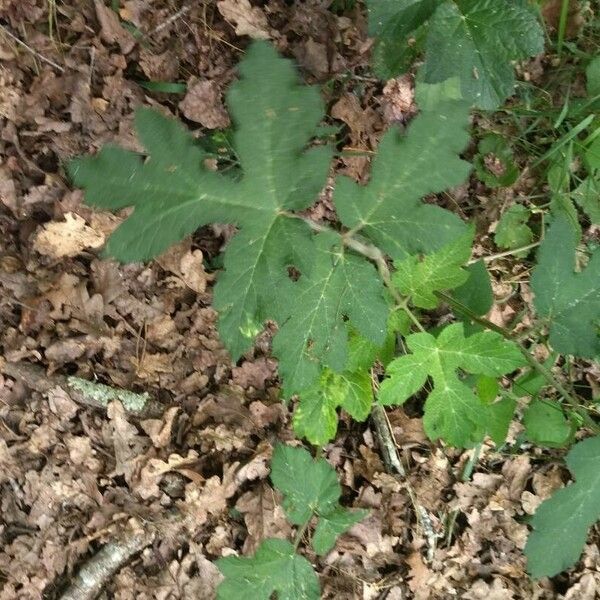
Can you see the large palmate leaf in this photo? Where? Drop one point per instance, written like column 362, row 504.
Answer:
column 310, row 487
column 569, row 300
column 174, row 193
column 474, row 40
column 407, row 167
column 313, row 330
column 274, row 568
column 452, row 410
column 561, row 523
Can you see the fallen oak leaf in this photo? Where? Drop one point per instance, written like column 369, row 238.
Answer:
column 66, row 238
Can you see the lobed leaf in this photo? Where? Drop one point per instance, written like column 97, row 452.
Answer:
column 476, row 40
column 173, row 193
column 310, row 487
column 441, row 270
column 274, row 568
column 338, row 285
column 452, row 411
column 407, row 167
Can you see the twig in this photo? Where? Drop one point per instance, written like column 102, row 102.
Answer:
column 171, row 19
column 86, row 393
column 393, row 465
column 102, row 567
column 493, row 257
column 19, row 41
column 387, row 445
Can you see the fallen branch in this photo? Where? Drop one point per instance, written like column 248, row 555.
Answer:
column 82, row 391
column 102, row 567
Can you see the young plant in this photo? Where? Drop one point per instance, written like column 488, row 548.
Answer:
column 310, row 492
column 338, row 305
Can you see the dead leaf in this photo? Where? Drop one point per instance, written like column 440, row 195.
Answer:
column 66, row 238
column 247, row 19
column 111, row 29
column 264, row 518
column 202, row 104
column 399, row 99
column 160, row 431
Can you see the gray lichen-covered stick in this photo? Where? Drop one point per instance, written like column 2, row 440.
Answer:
column 101, row 568
column 82, row 391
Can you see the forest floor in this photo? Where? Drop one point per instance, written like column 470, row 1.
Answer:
column 74, row 478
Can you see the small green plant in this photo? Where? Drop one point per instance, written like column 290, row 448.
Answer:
column 494, row 163
column 310, row 492
column 473, row 40
column 344, row 294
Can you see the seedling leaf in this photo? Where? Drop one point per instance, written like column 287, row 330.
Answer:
column 441, row 270
column 545, row 423
column 452, row 411
column 274, row 568
column 512, row 230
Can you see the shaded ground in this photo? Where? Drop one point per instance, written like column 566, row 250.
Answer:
column 73, row 478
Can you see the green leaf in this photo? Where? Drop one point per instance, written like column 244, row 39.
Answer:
column 441, row 270
column 499, row 416
column 592, row 154
column 587, row 195
column 452, row 411
column 487, row 388
column 476, row 293
column 274, row 568
column 388, row 210
column 338, row 285
column 331, row 526
column 174, row 193
column 494, row 162
column 512, row 230
column 308, row 485
column 545, row 424
column 316, row 418
column 393, row 21
column 532, row 382
column 561, row 523
column 592, row 73
column 570, row 301
column 476, row 40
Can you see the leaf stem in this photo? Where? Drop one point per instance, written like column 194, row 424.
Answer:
column 372, row 253
column 300, row 534
column 411, row 315
column 493, row 257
